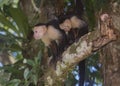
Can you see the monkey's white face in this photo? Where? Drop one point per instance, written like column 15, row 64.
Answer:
column 39, row 32
column 66, row 25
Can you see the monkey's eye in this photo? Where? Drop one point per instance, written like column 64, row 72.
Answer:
column 35, row 31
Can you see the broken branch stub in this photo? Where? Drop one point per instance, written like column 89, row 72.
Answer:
column 107, row 32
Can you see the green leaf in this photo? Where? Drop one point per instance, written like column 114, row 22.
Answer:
column 4, row 2
column 14, row 82
column 30, row 62
column 35, row 79
column 15, row 3
column 26, row 73
column 40, row 54
column 7, row 23
column 20, row 19
column 15, row 47
column 8, row 34
column 10, row 69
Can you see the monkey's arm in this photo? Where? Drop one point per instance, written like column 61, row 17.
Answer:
column 53, row 51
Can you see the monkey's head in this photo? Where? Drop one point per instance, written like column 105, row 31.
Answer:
column 39, row 31
column 68, row 22
column 64, row 22
column 66, row 25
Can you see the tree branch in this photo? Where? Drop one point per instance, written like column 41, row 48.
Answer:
column 35, row 7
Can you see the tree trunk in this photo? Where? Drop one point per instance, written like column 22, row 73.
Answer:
column 110, row 55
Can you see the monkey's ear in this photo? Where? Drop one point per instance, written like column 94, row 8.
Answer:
column 33, row 29
column 61, row 26
column 44, row 27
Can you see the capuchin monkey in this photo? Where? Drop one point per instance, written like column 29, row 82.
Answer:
column 68, row 22
column 74, row 27
column 52, row 36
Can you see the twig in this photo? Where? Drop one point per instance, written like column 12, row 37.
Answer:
column 35, row 7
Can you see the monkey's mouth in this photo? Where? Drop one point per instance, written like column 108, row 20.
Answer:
column 67, row 28
column 36, row 37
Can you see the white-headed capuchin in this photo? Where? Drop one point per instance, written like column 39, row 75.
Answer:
column 74, row 26
column 52, row 36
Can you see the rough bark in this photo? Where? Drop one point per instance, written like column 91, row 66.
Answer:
column 110, row 55
column 41, row 11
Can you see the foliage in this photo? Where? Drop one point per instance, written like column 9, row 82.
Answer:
column 92, row 9
column 71, row 78
column 24, row 72
column 93, row 76
column 13, row 28
column 8, row 2
column 5, row 78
